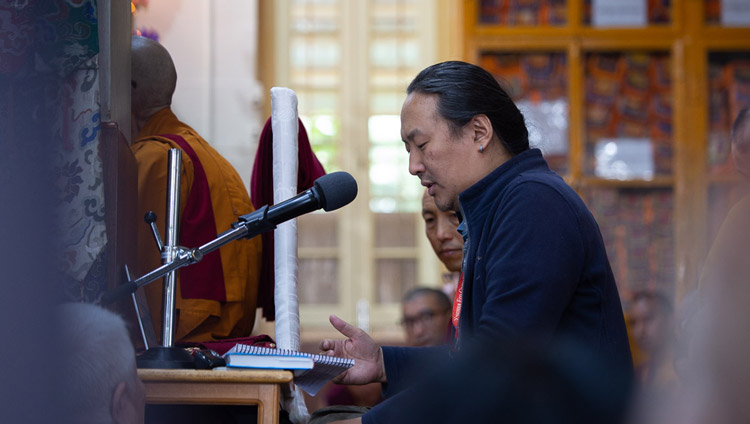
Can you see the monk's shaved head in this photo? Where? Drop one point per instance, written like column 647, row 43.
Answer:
column 153, row 77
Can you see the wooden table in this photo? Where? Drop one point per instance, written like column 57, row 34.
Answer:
column 219, row 387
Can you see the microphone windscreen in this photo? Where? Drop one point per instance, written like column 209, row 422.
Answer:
column 336, row 189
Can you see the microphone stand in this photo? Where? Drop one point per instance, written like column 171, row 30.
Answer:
column 167, row 355
column 249, row 226
column 175, row 257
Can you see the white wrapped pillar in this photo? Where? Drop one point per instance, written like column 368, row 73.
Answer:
column 285, row 126
column 285, row 129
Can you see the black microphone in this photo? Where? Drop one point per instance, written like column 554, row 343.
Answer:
column 329, row 192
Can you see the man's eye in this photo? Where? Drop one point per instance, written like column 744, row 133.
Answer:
column 421, row 146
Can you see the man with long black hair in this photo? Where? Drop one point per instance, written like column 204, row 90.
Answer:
column 534, row 267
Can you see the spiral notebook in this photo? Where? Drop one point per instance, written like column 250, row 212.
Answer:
column 324, row 368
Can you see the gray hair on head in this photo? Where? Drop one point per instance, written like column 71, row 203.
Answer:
column 441, row 298
column 98, row 354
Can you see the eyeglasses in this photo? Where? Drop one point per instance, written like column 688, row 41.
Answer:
column 422, row 317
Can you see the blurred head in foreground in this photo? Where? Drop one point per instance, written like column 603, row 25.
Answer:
column 101, row 383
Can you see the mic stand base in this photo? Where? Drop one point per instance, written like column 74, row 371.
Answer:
column 166, row 358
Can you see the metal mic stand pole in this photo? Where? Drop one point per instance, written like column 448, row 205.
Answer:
column 170, row 247
column 248, row 226
column 168, row 356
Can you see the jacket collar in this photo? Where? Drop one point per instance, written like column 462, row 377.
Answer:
column 472, row 200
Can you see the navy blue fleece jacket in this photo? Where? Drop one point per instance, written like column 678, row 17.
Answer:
column 535, row 266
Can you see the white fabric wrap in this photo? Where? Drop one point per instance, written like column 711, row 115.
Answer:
column 285, row 126
column 285, row 129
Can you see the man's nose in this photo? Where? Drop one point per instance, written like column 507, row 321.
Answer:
column 416, row 167
column 418, row 328
column 445, row 231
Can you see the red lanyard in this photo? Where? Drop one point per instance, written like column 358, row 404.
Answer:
column 457, row 303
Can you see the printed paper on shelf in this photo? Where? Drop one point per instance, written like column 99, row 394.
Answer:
column 735, row 13
column 619, row 13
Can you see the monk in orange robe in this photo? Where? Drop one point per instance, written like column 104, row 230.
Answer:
column 217, row 297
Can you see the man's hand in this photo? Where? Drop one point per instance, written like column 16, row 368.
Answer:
column 368, row 357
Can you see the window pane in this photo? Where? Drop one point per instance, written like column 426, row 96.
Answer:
column 392, row 188
column 396, row 55
column 392, row 16
column 326, row 79
column 317, row 3
column 393, row 277
column 391, row 80
column 304, row 22
column 388, row 102
column 385, row 130
column 318, row 281
column 321, row 102
column 318, row 15
column 318, row 229
column 315, row 52
column 395, row 230
column 394, row 52
column 324, row 133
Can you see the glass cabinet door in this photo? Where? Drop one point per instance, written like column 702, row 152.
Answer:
column 538, row 83
column 628, row 115
column 638, row 231
column 658, row 12
column 523, row 12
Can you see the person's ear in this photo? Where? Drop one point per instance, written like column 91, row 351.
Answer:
column 482, row 128
column 121, row 404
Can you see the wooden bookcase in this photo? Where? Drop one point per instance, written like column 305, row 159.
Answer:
column 658, row 228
